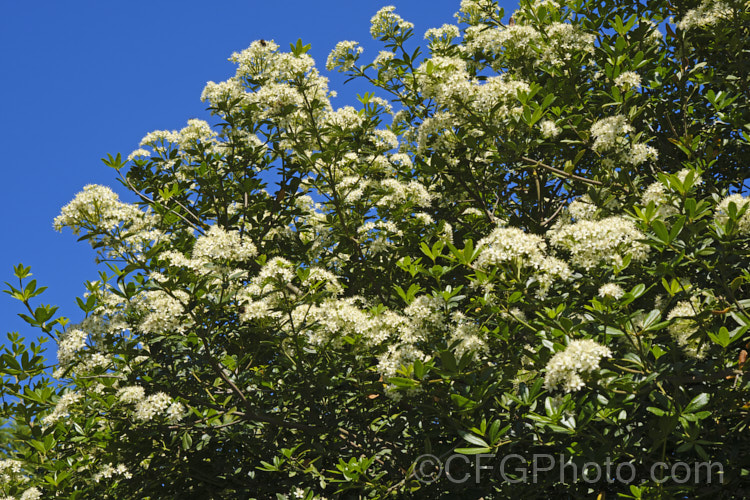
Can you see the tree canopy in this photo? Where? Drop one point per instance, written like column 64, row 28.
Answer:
column 528, row 239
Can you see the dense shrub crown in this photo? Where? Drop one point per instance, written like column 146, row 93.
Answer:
column 531, row 237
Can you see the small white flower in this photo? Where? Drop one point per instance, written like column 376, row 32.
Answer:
column 593, row 243
column 565, row 368
column 740, row 202
column 153, row 405
column 683, row 327
column 549, row 129
column 709, row 13
column 610, row 132
column 385, row 23
column 627, row 80
column 611, row 290
column 344, row 56
column 446, row 31
column 31, row 494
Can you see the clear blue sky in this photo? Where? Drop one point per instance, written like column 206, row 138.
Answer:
column 87, row 78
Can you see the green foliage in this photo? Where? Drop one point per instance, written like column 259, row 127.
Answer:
column 537, row 246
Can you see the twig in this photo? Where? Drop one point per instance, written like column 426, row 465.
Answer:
column 562, row 172
column 152, row 202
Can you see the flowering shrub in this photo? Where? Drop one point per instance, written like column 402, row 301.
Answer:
column 534, row 239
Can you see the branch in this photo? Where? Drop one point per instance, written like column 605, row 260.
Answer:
column 563, row 173
column 152, row 202
column 552, row 217
column 249, row 414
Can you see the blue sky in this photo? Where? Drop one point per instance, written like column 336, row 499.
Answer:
column 87, row 78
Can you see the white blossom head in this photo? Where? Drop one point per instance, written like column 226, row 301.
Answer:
column 566, row 369
column 387, row 24
column 344, row 56
column 612, row 291
column 684, row 327
column 734, row 204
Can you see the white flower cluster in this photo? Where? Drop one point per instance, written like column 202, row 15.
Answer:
column 657, row 193
column 334, row 319
column 108, row 471
column 92, row 362
column 392, row 336
column 396, row 193
column 682, row 175
column 396, row 357
column 99, row 208
column 197, row 131
column 426, row 311
column 160, row 140
column 740, row 202
column 499, row 91
column 267, row 292
column 582, row 209
column 378, row 236
column 565, row 368
column 220, row 244
column 353, row 188
column 386, row 23
column 159, row 404
column 164, row 313
column 347, row 118
column 139, row 153
column 548, row 4
column 61, row 408
column 683, row 327
column 445, row 79
column 438, row 127
column 131, row 394
column 69, row 343
column 709, row 13
column 512, row 246
column 610, row 132
column 611, row 290
column 640, row 153
column 472, row 11
column 384, row 139
column 263, row 62
column 8, row 469
column 31, row 494
column 662, row 195
column 344, row 56
column 466, row 337
column 517, row 42
column 611, row 135
column 566, row 40
column 655, row 36
column 593, row 243
column 321, row 277
column 214, row 255
column 382, row 65
column 383, row 58
column 521, row 43
column 549, row 129
column 274, row 98
column 270, row 81
column 446, row 32
column 222, row 92
column 628, row 80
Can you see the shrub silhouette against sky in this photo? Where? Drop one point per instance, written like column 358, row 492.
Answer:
column 528, row 238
